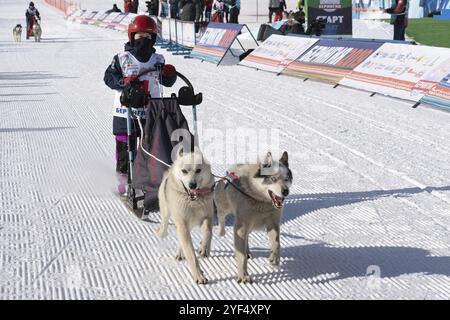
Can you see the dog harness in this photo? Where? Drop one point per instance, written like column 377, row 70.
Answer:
column 233, row 179
column 195, row 194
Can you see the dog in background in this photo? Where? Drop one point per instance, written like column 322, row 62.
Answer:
column 17, row 33
column 37, row 31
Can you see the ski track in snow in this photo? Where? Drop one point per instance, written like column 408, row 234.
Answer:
column 371, row 182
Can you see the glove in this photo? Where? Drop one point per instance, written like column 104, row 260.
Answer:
column 130, row 79
column 134, row 95
column 169, row 71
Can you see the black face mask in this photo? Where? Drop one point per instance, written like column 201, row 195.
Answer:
column 143, row 47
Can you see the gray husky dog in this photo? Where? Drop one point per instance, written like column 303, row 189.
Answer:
column 17, row 33
column 255, row 194
column 186, row 194
column 37, row 31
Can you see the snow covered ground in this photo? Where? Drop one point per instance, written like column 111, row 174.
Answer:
column 371, row 192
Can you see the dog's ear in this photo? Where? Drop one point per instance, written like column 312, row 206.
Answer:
column 284, row 159
column 268, row 160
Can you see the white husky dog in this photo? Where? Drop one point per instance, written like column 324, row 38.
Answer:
column 186, row 195
column 255, row 194
column 17, row 33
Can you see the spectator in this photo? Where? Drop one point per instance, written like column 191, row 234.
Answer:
column 190, row 10
column 208, row 9
column 114, row 9
column 399, row 18
column 279, row 12
column 127, row 6
column 219, row 12
column 164, row 9
column 173, row 9
column 152, row 7
column 274, row 6
column 135, row 6
column 234, row 9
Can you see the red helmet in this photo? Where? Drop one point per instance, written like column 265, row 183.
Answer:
column 141, row 23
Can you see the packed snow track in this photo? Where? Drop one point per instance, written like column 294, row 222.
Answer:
column 368, row 215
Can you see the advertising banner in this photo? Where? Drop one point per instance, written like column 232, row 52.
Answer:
column 395, row 69
column 432, row 78
column 123, row 25
column 117, row 20
column 98, row 18
column 216, row 41
column 76, row 15
column 331, row 60
column 337, row 15
column 277, row 51
column 108, row 19
column 88, row 17
column 439, row 94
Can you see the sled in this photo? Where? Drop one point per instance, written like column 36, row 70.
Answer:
column 149, row 152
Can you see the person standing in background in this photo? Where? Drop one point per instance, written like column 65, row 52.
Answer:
column 208, row 9
column 274, row 6
column 127, row 5
column 279, row 12
column 135, row 6
column 399, row 18
column 164, row 9
column 173, row 9
column 235, row 8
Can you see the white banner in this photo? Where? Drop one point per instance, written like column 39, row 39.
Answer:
column 432, row 77
column 277, row 52
column 173, row 30
column 107, row 21
column 76, row 15
column 123, row 25
column 395, row 69
column 165, row 29
column 188, row 34
column 179, row 26
column 98, row 17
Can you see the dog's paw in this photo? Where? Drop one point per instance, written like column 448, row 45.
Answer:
column 274, row 259
column 244, row 279
column 203, row 252
column 201, row 279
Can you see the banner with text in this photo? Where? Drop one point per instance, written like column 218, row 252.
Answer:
column 216, row 41
column 331, row 59
column 439, row 94
column 395, row 69
column 336, row 13
column 276, row 52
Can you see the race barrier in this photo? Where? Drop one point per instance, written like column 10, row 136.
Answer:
column 217, row 40
column 331, row 59
column 412, row 72
column 64, row 6
column 395, row 69
column 277, row 52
